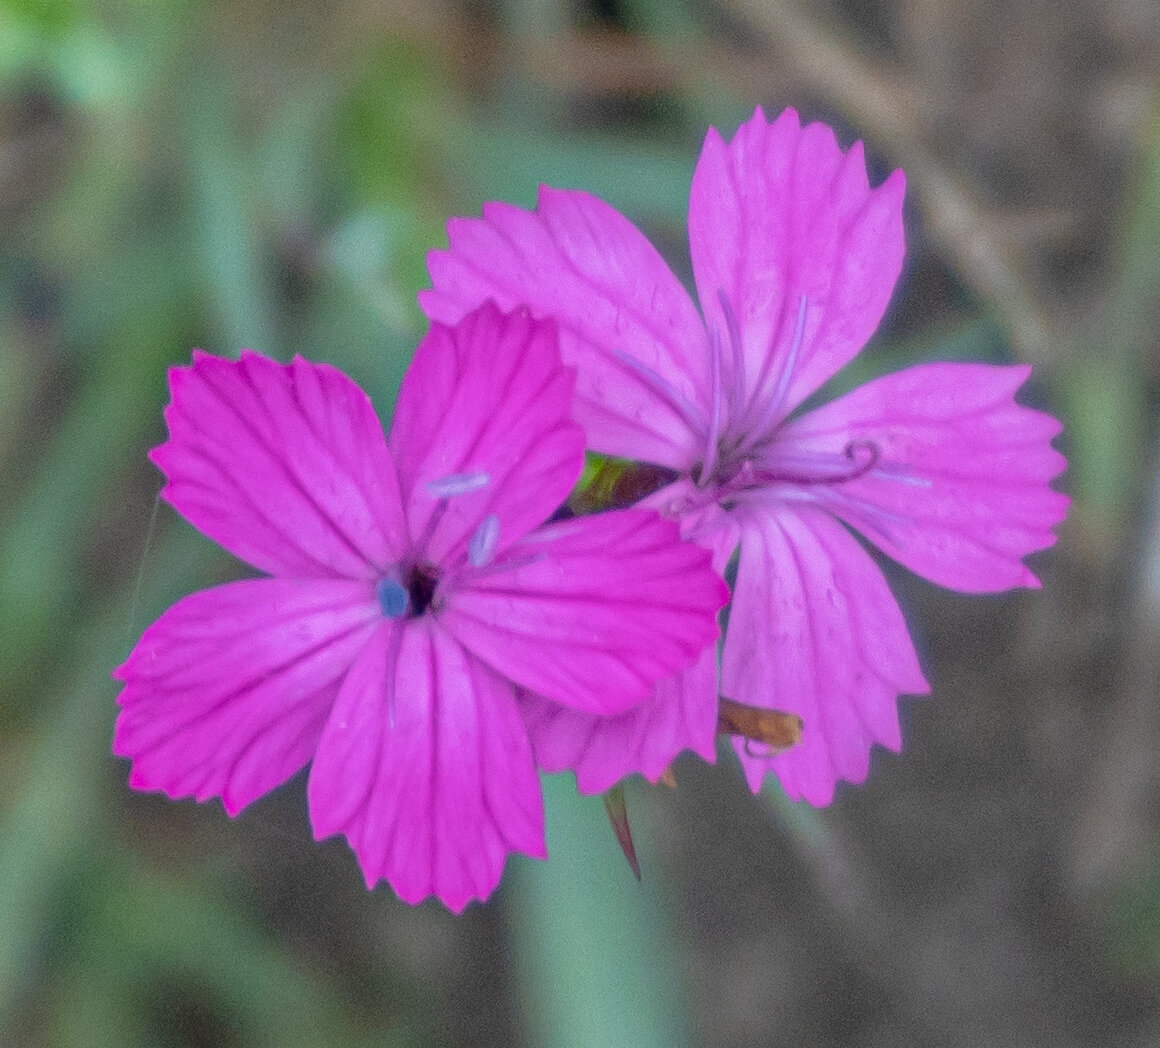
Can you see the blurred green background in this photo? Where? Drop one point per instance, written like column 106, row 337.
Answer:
column 176, row 173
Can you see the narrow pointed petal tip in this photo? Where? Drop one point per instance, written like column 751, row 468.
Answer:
column 814, row 631
column 960, row 490
column 435, row 802
column 285, row 465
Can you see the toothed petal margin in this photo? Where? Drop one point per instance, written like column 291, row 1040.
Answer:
column 782, row 213
column 814, row 630
column 435, row 802
column 285, row 465
column 581, row 262
column 680, row 715
column 225, row 695
column 959, row 493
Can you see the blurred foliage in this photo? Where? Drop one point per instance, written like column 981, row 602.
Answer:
column 1108, row 387
column 177, row 173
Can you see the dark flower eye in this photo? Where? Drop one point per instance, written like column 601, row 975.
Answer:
column 421, row 583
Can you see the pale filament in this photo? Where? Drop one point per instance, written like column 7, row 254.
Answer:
column 862, row 455
column 444, row 489
column 774, row 409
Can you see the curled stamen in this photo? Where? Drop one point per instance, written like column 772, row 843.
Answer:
column 457, row 484
column 481, row 545
column 863, row 456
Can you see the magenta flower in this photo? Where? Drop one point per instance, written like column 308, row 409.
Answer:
column 414, row 594
column 794, row 258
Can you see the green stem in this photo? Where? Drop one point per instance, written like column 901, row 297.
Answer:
column 595, row 951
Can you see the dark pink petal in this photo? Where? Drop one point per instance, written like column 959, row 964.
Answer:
column 814, row 631
column 960, row 491
column 583, row 263
column 487, row 402
column 781, row 215
column 226, row 694
column 434, row 802
column 285, row 465
column 592, row 612
column 680, row 715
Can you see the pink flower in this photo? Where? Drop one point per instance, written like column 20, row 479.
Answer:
column 413, row 594
column 794, row 258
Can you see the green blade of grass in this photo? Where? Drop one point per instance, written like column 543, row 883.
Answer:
column 596, row 957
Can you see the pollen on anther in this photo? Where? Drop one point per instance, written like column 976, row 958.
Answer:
column 393, row 598
column 481, row 547
column 457, row 484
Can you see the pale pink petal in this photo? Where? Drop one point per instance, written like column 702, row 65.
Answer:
column 778, row 216
column 814, row 630
column 226, row 694
column 703, row 522
column 680, row 715
column 591, row 612
column 488, row 402
column 583, row 263
column 959, row 493
column 426, row 768
column 285, row 465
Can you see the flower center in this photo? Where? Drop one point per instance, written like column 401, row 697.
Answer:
column 408, row 591
column 745, row 415
column 736, row 472
column 408, row 595
column 741, row 447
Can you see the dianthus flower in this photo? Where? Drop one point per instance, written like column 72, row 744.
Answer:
column 794, row 257
column 414, row 591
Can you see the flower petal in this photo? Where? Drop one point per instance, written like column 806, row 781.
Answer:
column 436, row 801
column 285, row 465
column 487, row 399
column 703, row 522
column 226, row 694
column 579, row 260
column 814, row 630
column 592, row 612
column 680, row 715
column 778, row 215
column 959, row 493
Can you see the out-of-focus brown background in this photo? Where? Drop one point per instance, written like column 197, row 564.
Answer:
column 243, row 173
